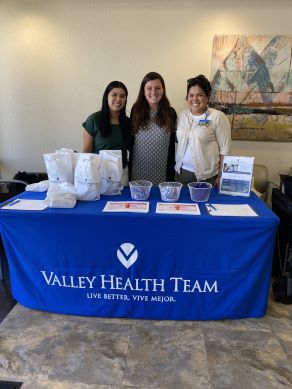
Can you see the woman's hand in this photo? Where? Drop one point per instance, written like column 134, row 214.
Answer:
column 217, row 181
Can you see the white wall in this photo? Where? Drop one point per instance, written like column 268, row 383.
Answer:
column 57, row 56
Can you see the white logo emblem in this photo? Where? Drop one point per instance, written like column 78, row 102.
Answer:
column 127, row 254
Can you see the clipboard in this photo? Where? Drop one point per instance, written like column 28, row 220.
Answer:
column 25, row 205
column 230, row 210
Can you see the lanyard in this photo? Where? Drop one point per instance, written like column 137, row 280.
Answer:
column 202, row 122
column 205, row 122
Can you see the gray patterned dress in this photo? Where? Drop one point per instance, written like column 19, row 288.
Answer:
column 150, row 152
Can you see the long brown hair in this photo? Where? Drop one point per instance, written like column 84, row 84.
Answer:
column 141, row 110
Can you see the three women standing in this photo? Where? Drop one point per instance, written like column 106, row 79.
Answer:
column 203, row 134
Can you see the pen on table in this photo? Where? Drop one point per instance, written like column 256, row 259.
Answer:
column 212, row 206
column 13, row 202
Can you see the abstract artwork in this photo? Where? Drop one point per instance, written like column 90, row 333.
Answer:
column 251, row 79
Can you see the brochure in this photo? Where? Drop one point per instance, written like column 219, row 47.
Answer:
column 236, row 176
column 178, row 208
column 127, row 206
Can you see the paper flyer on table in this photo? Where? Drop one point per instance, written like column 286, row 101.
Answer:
column 236, row 176
column 127, row 206
column 25, row 205
column 178, row 208
column 230, row 210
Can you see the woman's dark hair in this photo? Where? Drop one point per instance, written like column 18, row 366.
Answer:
column 141, row 109
column 104, row 122
column 202, row 82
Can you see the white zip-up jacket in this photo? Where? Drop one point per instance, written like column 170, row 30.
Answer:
column 208, row 142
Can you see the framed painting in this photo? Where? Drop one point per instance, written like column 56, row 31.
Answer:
column 251, row 81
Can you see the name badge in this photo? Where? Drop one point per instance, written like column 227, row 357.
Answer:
column 204, row 122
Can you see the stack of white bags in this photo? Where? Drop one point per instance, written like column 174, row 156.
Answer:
column 81, row 176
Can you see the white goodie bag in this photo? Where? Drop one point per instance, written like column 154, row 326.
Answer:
column 61, row 192
column 87, row 176
column 59, row 167
column 111, row 172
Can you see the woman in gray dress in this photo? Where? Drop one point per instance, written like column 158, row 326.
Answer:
column 152, row 155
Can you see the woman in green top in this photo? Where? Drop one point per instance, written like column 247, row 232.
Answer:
column 109, row 129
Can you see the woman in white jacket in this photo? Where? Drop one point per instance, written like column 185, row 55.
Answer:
column 203, row 136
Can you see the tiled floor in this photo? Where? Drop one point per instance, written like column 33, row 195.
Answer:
column 51, row 351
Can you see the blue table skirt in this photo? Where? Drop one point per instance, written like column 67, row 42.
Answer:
column 83, row 261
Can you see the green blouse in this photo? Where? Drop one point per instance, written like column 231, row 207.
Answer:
column 115, row 141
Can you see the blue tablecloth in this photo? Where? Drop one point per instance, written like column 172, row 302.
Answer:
column 83, row 261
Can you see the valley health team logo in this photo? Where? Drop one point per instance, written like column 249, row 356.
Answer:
column 127, row 254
